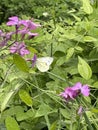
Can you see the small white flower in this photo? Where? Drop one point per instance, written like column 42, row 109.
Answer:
column 45, row 14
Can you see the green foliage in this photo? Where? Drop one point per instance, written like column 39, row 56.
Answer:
column 84, row 69
column 29, row 99
column 20, row 63
column 87, row 7
column 25, row 97
column 11, row 124
column 35, row 8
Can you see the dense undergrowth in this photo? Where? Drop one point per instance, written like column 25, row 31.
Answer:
column 31, row 83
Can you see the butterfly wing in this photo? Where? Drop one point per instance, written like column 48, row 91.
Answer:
column 44, row 63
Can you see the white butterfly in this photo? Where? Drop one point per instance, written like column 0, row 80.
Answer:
column 44, row 63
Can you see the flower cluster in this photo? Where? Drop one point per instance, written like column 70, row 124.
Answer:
column 72, row 92
column 19, row 48
column 5, row 37
column 24, row 29
column 16, row 44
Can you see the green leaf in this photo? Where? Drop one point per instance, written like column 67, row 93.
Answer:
column 20, row 63
column 76, row 18
column 94, row 110
column 70, row 52
column 72, row 69
column 60, row 61
column 58, row 73
column 20, row 116
column 84, row 69
column 87, row 7
column 54, row 126
column 65, row 113
column 43, row 110
column 25, row 97
column 88, row 121
column 95, row 85
column 8, row 95
column 11, row 124
column 89, row 39
column 78, row 48
column 33, row 50
column 6, row 100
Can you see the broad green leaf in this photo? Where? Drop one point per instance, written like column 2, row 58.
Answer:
column 33, row 50
column 11, row 124
column 95, row 85
column 20, row 63
column 60, row 61
column 94, row 110
column 20, row 116
column 6, row 100
column 89, row 39
column 43, row 110
column 72, row 70
column 26, row 126
column 8, row 96
column 60, row 48
column 25, row 97
column 68, row 35
column 58, row 73
column 54, row 126
column 65, row 113
column 13, row 110
column 76, row 126
column 53, row 85
column 69, row 54
column 87, row 7
column 94, row 54
column 84, row 69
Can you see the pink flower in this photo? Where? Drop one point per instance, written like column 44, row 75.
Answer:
column 72, row 92
column 5, row 38
column 34, row 60
column 82, row 89
column 15, row 21
column 80, row 110
column 85, row 90
column 9, row 35
column 19, row 48
column 68, row 94
column 23, row 32
column 28, row 25
column 31, row 25
column 31, row 35
column 0, row 32
column 3, row 43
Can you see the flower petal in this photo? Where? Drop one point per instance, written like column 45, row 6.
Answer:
column 13, row 18
column 85, row 90
column 77, row 86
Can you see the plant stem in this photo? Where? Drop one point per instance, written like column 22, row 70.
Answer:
column 70, row 83
column 88, row 122
column 41, row 99
column 6, row 75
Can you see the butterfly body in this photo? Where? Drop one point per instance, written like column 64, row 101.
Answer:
column 44, row 63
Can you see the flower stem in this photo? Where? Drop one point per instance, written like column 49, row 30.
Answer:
column 88, row 122
column 41, row 99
